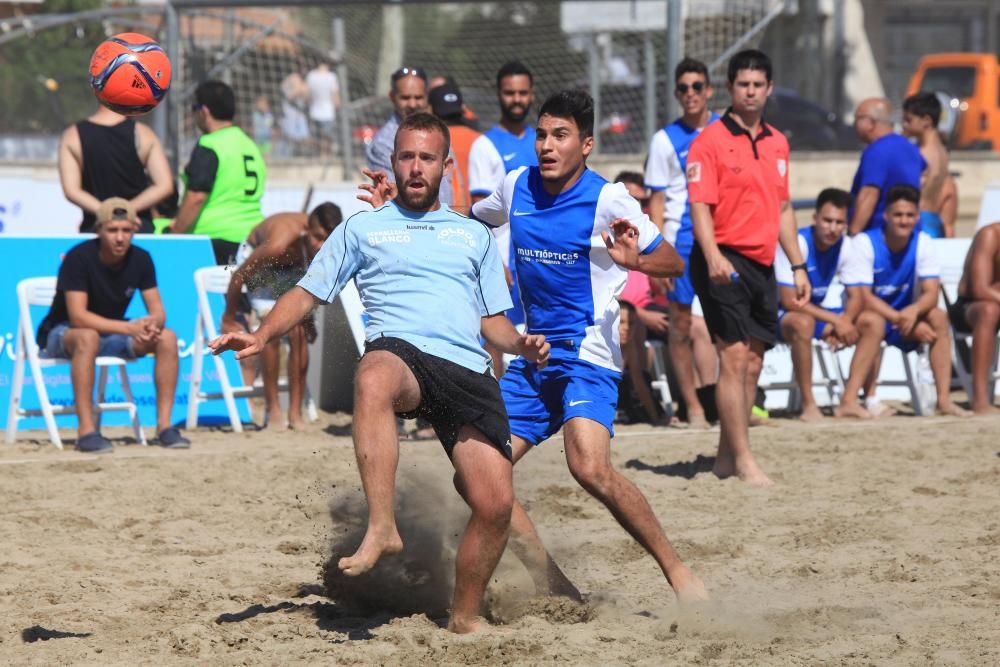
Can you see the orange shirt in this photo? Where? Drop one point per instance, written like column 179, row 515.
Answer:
column 462, row 138
column 743, row 180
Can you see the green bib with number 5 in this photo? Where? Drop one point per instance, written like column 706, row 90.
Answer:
column 232, row 209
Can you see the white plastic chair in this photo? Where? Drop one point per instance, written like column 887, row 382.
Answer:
column 41, row 292
column 831, row 376
column 660, row 384
column 215, row 280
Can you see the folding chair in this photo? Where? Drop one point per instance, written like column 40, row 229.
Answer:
column 958, row 360
column 215, row 280
column 831, row 375
column 41, row 292
column 660, row 384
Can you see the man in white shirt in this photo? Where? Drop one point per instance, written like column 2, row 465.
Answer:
column 324, row 101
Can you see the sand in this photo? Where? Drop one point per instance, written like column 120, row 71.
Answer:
column 879, row 545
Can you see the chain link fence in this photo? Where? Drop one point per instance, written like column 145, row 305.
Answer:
column 617, row 50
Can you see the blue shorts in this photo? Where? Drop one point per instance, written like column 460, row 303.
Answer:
column 112, row 345
column 817, row 332
column 683, row 292
column 539, row 402
column 931, row 224
column 895, row 338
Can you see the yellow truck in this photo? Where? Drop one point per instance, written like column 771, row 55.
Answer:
column 972, row 81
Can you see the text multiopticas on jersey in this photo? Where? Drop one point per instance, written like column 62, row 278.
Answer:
column 547, row 256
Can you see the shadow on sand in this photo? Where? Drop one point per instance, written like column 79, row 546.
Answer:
column 685, row 469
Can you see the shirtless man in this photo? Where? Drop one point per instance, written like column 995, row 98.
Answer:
column 921, row 113
column 978, row 310
column 272, row 259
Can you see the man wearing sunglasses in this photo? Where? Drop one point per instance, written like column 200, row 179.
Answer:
column 669, row 207
column 408, row 94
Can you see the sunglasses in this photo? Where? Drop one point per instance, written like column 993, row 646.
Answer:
column 697, row 87
column 409, row 71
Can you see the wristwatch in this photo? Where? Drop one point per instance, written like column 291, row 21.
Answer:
column 800, row 267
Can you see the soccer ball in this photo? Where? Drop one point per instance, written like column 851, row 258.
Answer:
column 130, row 73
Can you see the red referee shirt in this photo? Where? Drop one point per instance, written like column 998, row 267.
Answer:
column 744, row 180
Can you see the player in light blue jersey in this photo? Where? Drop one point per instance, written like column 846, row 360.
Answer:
column 666, row 177
column 901, row 307
column 509, row 145
column 575, row 236
column 431, row 281
column 829, row 254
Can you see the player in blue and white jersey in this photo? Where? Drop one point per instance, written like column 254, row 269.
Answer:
column 828, row 254
column 901, row 307
column 666, row 178
column 430, row 280
column 575, row 236
column 502, row 149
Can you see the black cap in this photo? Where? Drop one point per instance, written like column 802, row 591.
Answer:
column 446, row 100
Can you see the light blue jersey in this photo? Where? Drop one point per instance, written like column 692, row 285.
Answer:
column 426, row 278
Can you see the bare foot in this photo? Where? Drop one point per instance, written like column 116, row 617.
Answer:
column 986, row 410
column 724, row 467
column 951, row 410
column 748, row 471
column 687, row 586
column 298, row 424
column 852, row 411
column 373, row 547
column 811, row 413
column 696, row 420
column 463, row 625
column 560, row 585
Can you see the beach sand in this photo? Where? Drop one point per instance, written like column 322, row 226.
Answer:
column 879, row 545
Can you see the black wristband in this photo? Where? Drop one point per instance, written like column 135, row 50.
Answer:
column 800, row 267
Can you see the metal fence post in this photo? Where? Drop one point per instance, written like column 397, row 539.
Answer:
column 340, row 47
column 594, row 70
column 675, row 50
column 650, row 70
column 172, row 140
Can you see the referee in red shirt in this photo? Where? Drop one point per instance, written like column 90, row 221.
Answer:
column 737, row 172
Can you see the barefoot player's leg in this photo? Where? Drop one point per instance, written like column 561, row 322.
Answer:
column 983, row 317
column 485, row 476
column 940, row 358
column 798, row 328
column 871, row 330
column 298, row 364
column 384, row 385
column 588, row 453
column 270, row 363
column 731, row 401
column 682, row 359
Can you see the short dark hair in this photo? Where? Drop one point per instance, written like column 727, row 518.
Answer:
column 751, row 59
column 424, row 121
column 327, row 215
column 904, row 192
column 839, row 198
column 514, row 68
column 924, row 104
column 633, row 177
column 689, row 65
column 218, row 98
column 575, row 104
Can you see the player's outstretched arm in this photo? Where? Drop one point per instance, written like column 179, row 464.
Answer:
column 291, row 308
column 498, row 330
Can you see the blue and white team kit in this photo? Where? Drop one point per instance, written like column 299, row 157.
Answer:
column 569, row 286
column 895, row 277
column 414, row 273
column 840, row 261
column 666, row 171
column 489, row 163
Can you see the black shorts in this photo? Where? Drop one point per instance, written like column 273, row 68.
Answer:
column 956, row 313
column 744, row 309
column 452, row 396
column 225, row 251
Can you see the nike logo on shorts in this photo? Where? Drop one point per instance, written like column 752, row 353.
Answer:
column 573, row 404
column 522, row 212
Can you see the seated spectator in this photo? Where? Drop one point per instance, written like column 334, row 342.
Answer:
column 87, row 319
column 901, row 308
column 637, row 298
column 271, row 261
column 827, row 254
column 977, row 310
